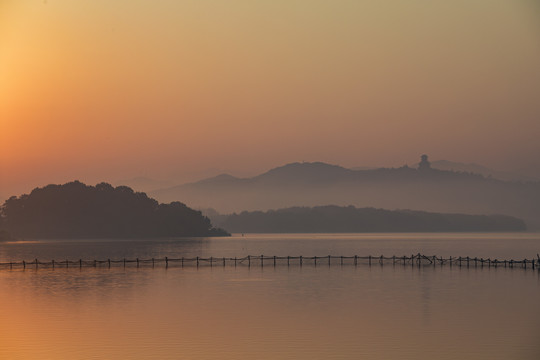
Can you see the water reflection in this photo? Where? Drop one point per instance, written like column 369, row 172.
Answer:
column 101, row 249
column 322, row 312
column 309, row 312
column 493, row 245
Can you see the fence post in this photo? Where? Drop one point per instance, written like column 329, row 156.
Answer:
column 328, row 260
column 301, row 260
column 315, row 261
column 109, row 261
column 274, row 261
column 53, row 264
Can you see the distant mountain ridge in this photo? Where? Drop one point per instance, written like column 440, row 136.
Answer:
column 481, row 170
column 317, row 183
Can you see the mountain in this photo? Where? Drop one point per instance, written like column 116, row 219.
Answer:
column 336, row 219
column 482, row 170
column 316, row 184
column 305, row 172
column 76, row 210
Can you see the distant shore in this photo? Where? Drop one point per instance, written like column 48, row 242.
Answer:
column 349, row 219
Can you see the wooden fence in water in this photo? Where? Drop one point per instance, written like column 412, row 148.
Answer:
column 262, row 261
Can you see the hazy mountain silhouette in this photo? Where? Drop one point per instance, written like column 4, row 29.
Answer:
column 314, row 184
column 314, row 173
column 364, row 168
column 330, row 219
column 75, row 210
column 481, row 170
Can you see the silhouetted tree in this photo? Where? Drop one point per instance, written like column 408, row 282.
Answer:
column 77, row 210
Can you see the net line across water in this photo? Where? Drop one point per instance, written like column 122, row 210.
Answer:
column 262, row 260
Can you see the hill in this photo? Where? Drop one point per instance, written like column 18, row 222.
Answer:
column 330, row 219
column 315, row 184
column 481, row 170
column 75, row 210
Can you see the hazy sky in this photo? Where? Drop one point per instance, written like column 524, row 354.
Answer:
column 103, row 90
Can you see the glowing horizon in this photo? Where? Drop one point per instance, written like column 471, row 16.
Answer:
column 97, row 91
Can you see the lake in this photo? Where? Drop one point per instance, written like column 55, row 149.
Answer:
column 282, row 312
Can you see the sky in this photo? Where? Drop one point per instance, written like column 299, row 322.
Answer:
column 174, row 89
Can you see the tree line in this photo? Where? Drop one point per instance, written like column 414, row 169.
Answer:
column 337, row 219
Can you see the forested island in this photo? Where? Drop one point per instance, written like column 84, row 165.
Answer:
column 76, row 210
column 339, row 219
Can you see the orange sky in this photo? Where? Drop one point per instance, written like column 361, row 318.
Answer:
column 106, row 90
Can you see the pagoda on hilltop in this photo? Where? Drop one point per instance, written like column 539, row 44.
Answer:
column 424, row 164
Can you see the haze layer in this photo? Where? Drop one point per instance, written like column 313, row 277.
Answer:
column 101, row 90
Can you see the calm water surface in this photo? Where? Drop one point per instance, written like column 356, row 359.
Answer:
column 378, row 312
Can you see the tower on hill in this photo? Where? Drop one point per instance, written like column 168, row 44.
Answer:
column 424, row 163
